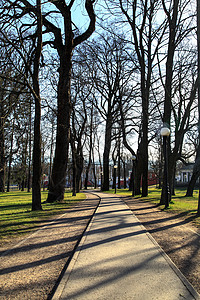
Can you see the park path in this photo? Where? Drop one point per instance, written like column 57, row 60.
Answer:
column 118, row 259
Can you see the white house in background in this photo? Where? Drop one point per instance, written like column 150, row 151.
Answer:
column 185, row 173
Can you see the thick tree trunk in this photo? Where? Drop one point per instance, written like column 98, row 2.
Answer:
column 195, row 175
column 36, row 180
column 192, row 183
column 58, row 177
column 36, row 183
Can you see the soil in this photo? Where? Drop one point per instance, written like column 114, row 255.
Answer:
column 32, row 267
column 176, row 235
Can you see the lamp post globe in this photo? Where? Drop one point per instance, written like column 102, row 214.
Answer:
column 165, row 131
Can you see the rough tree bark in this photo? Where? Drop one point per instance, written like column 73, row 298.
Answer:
column 106, row 153
column 37, row 170
column 65, row 48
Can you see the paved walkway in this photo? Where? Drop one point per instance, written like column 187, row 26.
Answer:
column 118, row 259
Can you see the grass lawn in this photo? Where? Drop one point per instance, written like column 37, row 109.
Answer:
column 186, row 206
column 16, row 217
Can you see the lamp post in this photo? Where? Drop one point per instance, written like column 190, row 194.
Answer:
column 133, row 175
column 115, row 167
column 165, row 132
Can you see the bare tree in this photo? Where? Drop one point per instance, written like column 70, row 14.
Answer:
column 108, row 64
column 180, row 28
column 64, row 47
column 15, row 33
column 140, row 16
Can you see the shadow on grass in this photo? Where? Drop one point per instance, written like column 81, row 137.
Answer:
column 182, row 217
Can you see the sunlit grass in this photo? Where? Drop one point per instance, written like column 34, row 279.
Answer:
column 16, row 216
column 186, row 206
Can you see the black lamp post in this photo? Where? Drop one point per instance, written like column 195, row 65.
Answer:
column 115, row 168
column 165, row 132
column 133, row 175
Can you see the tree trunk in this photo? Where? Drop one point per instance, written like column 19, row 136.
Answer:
column 144, row 138
column 2, row 153
column 124, row 167
column 106, row 154
column 119, row 165
column 86, row 179
column 58, row 177
column 79, row 161
column 29, row 159
column 51, row 153
column 74, row 189
column 57, row 185
column 10, row 159
column 138, row 171
column 196, row 169
column 94, row 170
column 198, row 48
column 94, row 174
column 192, row 183
column 36, row 183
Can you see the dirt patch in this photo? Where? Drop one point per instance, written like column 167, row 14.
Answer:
column 175, row 234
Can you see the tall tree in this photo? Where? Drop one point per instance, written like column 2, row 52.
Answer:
column 180, row 28
column 140, row 15
column 107, row 63
column 196, row 169
column 26, row 42
column 61, row 37
column 64, row 47
column 37, row 169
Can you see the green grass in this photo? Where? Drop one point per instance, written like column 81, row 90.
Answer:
column 17, row 218
column 185, row 206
